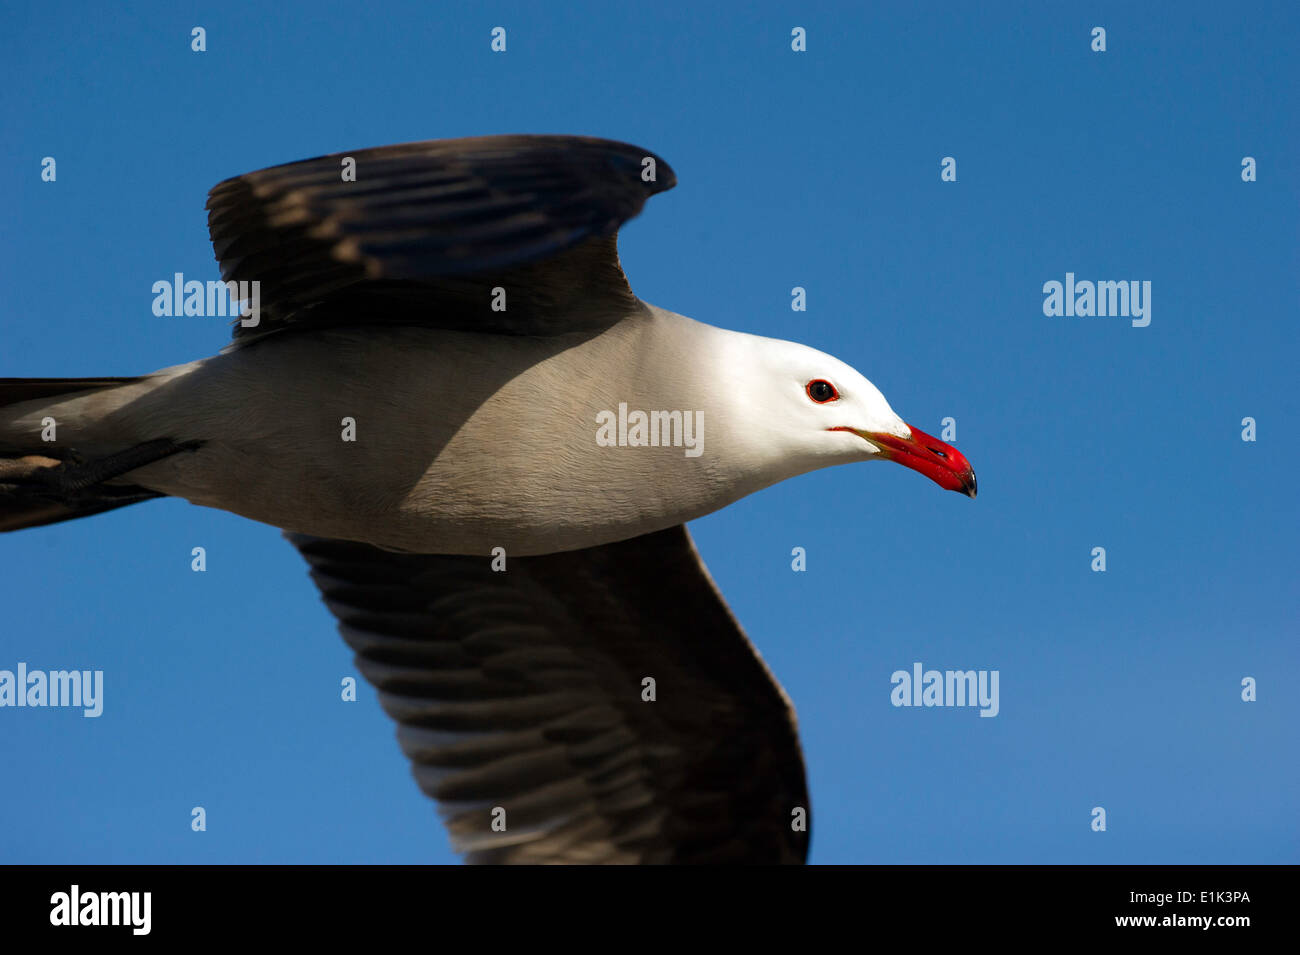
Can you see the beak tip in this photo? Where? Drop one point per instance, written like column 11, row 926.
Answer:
column 970, row 486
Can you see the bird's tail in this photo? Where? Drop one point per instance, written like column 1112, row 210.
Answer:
column 45, row 478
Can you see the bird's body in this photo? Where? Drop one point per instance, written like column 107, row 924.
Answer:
column 395, row 435
column 452, row 369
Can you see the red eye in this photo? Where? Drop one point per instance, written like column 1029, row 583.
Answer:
column 821, row 391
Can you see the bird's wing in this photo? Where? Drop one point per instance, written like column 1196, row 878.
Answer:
column 426, row 232
column 521, row 701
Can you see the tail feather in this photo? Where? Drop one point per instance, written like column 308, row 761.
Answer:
column 34, row 489
column 16, row 390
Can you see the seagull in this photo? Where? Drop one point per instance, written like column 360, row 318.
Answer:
column 487, row 447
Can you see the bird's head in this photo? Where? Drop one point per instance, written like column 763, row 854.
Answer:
column 829, row 413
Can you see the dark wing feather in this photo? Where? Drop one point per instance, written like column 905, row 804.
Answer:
column 427, row 230
column 523, row 690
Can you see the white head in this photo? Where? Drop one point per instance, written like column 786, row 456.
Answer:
column 813, row 411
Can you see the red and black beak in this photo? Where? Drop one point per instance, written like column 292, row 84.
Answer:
column 941, row 463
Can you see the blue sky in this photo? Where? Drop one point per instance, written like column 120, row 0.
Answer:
column 821, row 169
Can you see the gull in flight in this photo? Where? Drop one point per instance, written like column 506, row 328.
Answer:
column 486, row 447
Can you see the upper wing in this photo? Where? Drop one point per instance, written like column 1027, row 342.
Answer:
column 519, row 699
column 426, row 231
